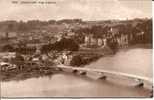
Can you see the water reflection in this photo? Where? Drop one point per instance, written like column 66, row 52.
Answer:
column 61, row 85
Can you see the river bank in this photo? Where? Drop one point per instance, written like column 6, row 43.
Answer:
column 26, row 73
column 33, row 71
column 144, row 46
column 88, row 56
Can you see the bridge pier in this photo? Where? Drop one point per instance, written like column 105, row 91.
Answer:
column 102, row 74
column 59, row 69
column 102, row 77
column 140, row 83
column 80, row 72
column 83, row 73
column 75, row 71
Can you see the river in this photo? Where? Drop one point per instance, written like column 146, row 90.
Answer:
column 133, row 61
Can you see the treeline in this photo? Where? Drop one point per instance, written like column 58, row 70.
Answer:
column 30, row 25
column 97, row 28
column 63, row 44
column 127, row 28
column 21, row 26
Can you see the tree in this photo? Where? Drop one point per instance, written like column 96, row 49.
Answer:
column 64, row 44
column 18, row 60
column 8, row 48
column 145, row 27
column 46, row 48
column 52, row 21
column 76, row 61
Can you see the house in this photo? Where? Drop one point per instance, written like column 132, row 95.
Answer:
column 104, row 42
column 58, row 36
column 114, row 31
column 123, row 40
column 87, row 40
column 100, row 42
column 70, row 34
column 93, row 41
column 8, row 35
column 2, row 34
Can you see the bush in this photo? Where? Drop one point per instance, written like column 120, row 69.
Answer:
column 8, row 48
column 26, row 50
column 64, row 44
column 76, row 61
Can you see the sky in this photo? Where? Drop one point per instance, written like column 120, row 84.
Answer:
column 70, row 9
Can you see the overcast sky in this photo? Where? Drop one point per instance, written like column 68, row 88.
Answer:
column 85, row 9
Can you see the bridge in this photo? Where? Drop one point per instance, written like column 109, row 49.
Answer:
column 84, row 70
column 104, row 74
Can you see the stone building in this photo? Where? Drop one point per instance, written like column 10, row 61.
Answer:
column 123, row 40
column 100, row 42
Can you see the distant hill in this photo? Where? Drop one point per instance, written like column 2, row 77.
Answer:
column 54, row 26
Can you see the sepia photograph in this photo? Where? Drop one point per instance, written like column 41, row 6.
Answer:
column 76, row 49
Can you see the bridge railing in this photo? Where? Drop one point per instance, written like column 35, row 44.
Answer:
column 140, row 79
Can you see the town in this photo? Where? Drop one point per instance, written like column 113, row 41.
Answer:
column 35, row 46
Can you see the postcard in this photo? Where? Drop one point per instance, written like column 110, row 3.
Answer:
column 76, row 49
